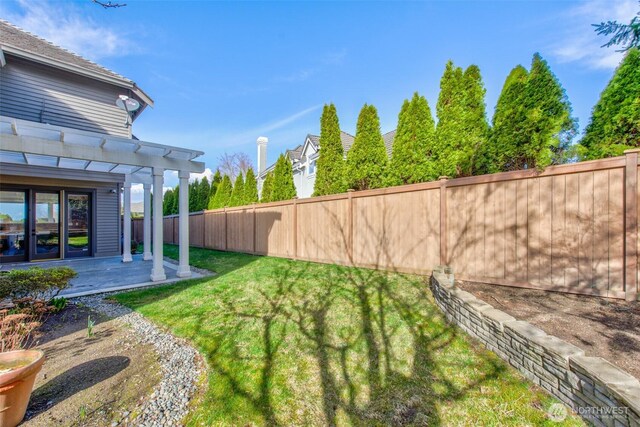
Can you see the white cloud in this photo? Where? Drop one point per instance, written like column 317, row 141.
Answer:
column 581, row 43
column 64, row 25
column 193, row 176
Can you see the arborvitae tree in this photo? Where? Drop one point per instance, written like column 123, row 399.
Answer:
column 174, row 201
column 267, row 188
column 215, row 182
column 193, row 195
column 615, row 121
column 367, row 157
column 283, row 186
column 413, row 145
column 203, row 189
column 499, row 154
column 167, row 202
column 450, row 110
column 250, row 188
column 223, row 194
column 330, row 164
column 475, row 126
column 549, row 127
column 237, row 195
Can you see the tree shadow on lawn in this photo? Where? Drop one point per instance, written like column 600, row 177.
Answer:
column 304, row 343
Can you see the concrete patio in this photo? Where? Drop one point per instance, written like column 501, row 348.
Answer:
column 99, row 275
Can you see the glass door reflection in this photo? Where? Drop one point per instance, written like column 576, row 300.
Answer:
column 78, row 225
column 46, row 225
column 13, row 224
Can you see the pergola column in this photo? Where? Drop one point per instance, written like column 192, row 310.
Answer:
column 183, row 197
column 146, row 222
column 126, row 240
column 157, row 272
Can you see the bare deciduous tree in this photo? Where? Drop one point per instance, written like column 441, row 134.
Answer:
column 234, row 164
column 108, row 4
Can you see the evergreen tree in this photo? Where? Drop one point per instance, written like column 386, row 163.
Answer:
column 250, row 188
column 202, row 190
column 283, row 187
column 475, row 126
column 330, row 164
column 615, row 121
column 213, row 188
column 267, row 188
column 549, row 127
column 193, row 195
column 413, row 144
column 167, row 202
column 174, row 201
column 223, row 194
column 500, row 153
column 628, row 35
column 237, row 195
column 367, row 157
column 450, row 110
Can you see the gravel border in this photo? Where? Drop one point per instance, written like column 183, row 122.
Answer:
column 180, row 363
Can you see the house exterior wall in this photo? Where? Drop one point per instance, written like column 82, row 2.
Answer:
column 43, row 94
column 106, row 188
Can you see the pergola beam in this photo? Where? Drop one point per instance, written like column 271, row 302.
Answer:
column 48, row 147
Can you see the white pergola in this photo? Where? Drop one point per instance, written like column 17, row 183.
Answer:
column 30, row 143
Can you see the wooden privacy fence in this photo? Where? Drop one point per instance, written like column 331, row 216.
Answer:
column 572, row 228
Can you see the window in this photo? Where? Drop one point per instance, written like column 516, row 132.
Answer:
column 312, row 167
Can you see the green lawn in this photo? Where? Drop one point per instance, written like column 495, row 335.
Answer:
column 298, row 343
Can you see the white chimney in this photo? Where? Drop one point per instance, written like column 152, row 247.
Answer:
column 262, row 154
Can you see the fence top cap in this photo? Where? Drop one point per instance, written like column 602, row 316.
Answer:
column 633, row 150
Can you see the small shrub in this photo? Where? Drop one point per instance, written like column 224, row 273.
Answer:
column 18, row 324
column 90, row 325
column 58, row 304
column 35, row 282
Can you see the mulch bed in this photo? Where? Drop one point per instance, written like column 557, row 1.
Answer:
column 96, row 380
column 601, row 327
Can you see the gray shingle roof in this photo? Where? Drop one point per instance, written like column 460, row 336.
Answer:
column 388, row 141
column 346, row 139
column 12, row 36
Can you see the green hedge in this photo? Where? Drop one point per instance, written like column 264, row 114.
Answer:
column 35, row 282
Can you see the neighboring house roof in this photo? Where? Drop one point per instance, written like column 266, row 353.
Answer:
column 345, row 138
column 347, row 141
column 388, row 141
column 21, row 43
column 295, row 154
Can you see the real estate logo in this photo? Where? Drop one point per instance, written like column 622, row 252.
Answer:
column 557, row 412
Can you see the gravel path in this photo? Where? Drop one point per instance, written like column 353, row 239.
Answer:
column 168, row 404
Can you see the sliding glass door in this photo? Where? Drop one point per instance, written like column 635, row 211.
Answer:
column 78, row 225
column 45, row 231
column 13, row 226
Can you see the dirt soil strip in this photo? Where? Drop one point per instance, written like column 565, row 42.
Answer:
column 93, row 380
column 601, row 327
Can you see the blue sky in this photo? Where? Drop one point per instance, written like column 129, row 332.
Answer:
column 224, row 73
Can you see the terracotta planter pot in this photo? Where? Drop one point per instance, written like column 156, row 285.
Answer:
column 16, row 385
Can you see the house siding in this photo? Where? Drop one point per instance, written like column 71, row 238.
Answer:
column 43, row 94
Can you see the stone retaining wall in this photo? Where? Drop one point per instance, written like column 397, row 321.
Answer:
column 597, row 390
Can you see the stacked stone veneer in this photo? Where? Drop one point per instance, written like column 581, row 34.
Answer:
column 597, row 390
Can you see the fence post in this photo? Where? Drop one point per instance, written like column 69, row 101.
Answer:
column 350, row 225
column 631, row 225
column 204, row 228
column 295, row 228
column 255, row 229
column 226, row 232
column 443, row 220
